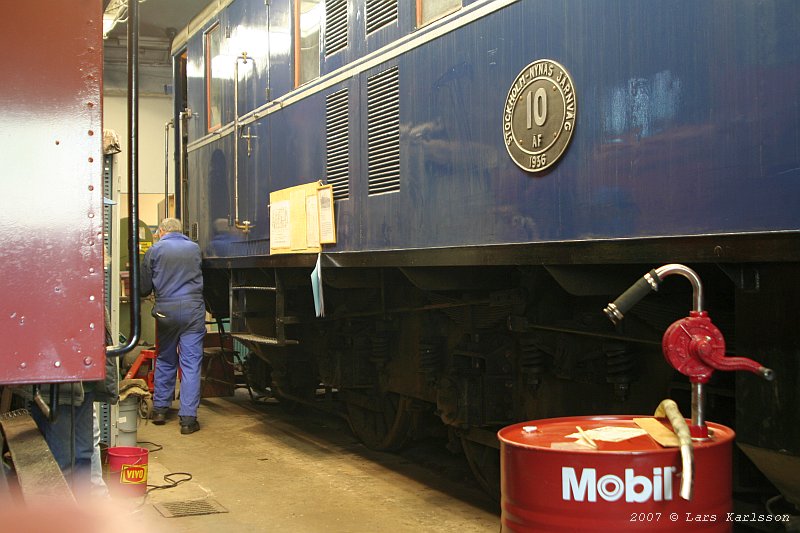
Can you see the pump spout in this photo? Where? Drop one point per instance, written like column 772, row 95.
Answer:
column 651, row 281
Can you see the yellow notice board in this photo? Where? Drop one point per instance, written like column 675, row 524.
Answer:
column 301, row 219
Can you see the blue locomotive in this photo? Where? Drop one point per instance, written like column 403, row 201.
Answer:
column 499, row 169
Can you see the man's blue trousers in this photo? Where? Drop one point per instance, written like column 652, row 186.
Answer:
column 181, row 328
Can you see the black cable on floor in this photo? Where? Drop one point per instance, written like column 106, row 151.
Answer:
column 170, row 482
column 157, row 447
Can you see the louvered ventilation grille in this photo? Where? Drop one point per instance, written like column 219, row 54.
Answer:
column 337, row 144
column 335, row 26
column 380, row 13
column 383, row 130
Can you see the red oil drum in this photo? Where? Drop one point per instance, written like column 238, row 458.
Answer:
column 629, row 485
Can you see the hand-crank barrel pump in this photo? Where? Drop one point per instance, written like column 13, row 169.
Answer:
column 612, row 473
column 692, row 345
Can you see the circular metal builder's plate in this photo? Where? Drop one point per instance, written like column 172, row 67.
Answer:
column 539, row 115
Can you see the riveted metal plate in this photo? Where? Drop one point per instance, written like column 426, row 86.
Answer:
column 539, row 115
column 51, row 206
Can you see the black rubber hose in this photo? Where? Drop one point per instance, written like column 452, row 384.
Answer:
column 647, row 283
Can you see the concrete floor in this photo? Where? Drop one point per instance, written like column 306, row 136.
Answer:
column 302, row 471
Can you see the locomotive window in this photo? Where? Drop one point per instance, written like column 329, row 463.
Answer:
column 307, row 19
column 430, row 10
column 213, row 83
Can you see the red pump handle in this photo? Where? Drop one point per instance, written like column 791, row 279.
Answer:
column 695, row 348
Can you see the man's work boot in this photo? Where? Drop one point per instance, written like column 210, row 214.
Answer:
column 158, row 417
column 189, row 424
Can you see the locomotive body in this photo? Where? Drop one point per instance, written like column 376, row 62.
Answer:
column 472, row 259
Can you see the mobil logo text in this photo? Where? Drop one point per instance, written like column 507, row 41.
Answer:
column 587, row 486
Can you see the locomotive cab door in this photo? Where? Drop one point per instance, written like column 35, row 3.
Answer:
column 251, row 89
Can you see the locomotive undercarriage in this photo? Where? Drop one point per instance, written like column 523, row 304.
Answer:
column 463, row 351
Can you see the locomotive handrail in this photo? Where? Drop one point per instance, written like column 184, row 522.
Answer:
column 180, row 150
column 133, row 181
column 243, row 225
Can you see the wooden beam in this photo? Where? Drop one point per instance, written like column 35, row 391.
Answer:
column 38, row 475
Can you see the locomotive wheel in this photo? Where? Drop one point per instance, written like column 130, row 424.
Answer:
column 382, row 422
column 484, row 461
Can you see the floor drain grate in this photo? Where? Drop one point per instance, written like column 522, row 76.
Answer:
column 189, row 508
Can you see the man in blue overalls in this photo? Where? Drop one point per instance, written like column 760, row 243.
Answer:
column 171, row 268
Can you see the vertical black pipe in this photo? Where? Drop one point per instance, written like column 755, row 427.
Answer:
column 166, row 168
column 178, row 106
column 133, row 180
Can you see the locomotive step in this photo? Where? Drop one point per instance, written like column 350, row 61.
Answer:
column 268, row 313
column 249, row 337
column 254, row 313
